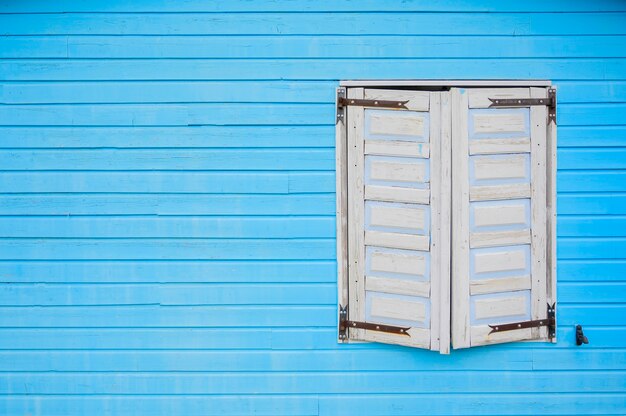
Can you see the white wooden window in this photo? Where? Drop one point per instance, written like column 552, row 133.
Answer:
column 446, row 216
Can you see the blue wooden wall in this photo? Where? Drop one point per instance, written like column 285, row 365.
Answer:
column 167, row 242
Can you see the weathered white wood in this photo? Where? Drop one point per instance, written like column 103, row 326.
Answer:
column 397, row 194
column 460, row 224
column 445, row 157
column 499, row 146
column 480, row 335
column 418, row 100
column 507, row 167
column 398, row 286
column 397, row 171
column 510, row 287
column 410, row 217
column 493, row 308
column 479, row 97
column 499, row 192
column 538, row 117
column 499, row 238
column 397, row 148
column 398, row 308
column 435, row 210
column 396, row 240
column 551, row 162
column 500, row 284
column 419, row 338
column 408, row 263
column 506, row 259
column 506, row 122
column 398, row 124
column 341, row 169
column 501, row 214
column 356, row 202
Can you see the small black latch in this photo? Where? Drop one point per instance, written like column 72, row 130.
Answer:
column 343, row 317
column 580, row 336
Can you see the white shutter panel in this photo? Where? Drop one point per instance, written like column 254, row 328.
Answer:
column 503, row 216
column 398, row 217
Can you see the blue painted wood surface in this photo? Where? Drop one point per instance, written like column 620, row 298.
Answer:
column 167, row 242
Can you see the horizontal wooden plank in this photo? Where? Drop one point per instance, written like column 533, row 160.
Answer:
column 499, row 192
column 310, row 69
column 279, row 405
column 499, row 238
column 155, row 316
column 17, row 294
column 121, row 6
column 275, row 338
column 317, row 23
column 168, row 271
column 169, row 159
column 590, row 91
column 591, row 203
column 167, row 137
column 591, row 270
column 591, row 248
column 169, row 182
column 566, row 359
column 585, row 136
column 595, row 292
column 499, row 284
column 591, row 226
column 592, row 158
column 126, row 115
column 591, row 181
column 397, row 194
column 162, row 249
column 504, row 404
column 170, row 338
column 312, row 383
column 168, row 92
column 279, row 46
column 167, row 204
column 306, row 405
column 243, row 91
column 151, row 316
column 397, row 240
column 591, row 114
column 591, row 314
column 380, row 358
column 169, row 227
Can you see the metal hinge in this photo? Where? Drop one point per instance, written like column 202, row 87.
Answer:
column 343, row 102
column 550, row 322
column 550, row 102
column 344, row 324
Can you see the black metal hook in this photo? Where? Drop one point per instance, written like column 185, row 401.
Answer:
column 580, row 336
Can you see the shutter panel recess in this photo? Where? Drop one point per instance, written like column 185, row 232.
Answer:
column 398, row 203
column 502, row 217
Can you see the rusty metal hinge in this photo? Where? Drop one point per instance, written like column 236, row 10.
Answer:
column 343, row 102
column 550, row 102
column 550, row 322
column 344, row 324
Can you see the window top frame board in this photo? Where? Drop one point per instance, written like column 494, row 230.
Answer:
column 444, row 83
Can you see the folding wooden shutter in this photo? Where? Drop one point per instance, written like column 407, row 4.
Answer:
column 398, row 201
column 503, row 216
